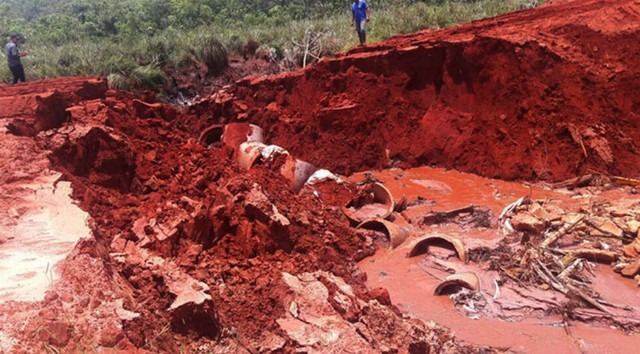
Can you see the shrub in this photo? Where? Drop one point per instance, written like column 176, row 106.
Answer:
column 213, row 54
column 118, row 82
column 147, row 77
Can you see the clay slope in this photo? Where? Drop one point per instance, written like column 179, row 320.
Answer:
column 189, row 254
column 542, row 94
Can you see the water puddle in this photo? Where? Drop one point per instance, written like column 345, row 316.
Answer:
column 411, row 283
column 45, row 233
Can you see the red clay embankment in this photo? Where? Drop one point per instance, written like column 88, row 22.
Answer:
column 548, row 93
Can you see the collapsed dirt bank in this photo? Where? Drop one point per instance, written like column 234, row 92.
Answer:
column 193, row 252
column 547, row 93
column 189, row 252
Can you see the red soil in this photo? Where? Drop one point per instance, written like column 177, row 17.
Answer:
column 547, row 93
column 154, row 191
column 542, row 94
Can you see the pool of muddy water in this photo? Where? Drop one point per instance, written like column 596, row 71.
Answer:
column 42, row 236
column 411, row 284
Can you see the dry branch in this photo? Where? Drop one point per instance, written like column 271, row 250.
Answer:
column 555, row 236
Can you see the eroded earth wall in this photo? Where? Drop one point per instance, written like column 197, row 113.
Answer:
column 542, row 94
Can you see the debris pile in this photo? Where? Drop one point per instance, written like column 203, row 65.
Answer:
column 191, row 249
column 206, row 239
column 544, row 263
column 520, row 97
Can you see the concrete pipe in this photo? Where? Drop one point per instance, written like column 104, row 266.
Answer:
column 297, row 172
column 237, row 133
column 249, row 153
column 453, row 283
column 395, row 233
column 211, row 135
column 375, row 201
column 422, row 246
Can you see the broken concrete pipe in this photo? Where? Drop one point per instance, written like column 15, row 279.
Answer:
column 396, row 234
column 375, row 201
column 297, row 172
column 232, row 135
column 450, row 242
column 455, row 282
column 249, row 153
column 238, row 133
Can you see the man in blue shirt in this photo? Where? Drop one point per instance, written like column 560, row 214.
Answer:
column 14, row 54
column 361, row 15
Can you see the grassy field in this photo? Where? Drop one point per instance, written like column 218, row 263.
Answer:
column 135, row 61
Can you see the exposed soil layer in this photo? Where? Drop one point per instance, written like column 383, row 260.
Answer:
column 192, row 253
column 546, row 93
column 189, row 253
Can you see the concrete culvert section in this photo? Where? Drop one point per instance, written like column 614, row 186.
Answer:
column 396, row 234
column 232, row 135
column 373, row 201
column 422, row 246
column 211, row 135
column 456, row 282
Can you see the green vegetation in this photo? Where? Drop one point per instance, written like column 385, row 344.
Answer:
column 132, row 40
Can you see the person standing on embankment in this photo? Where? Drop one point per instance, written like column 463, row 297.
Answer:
column 14, row 54
column 360, row 16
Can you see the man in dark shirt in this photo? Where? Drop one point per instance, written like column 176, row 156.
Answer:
column 360, row 16
column 13, row 53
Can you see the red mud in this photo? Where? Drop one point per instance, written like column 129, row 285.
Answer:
column 541, row 94
column 192, row 254
column 411, row 284
column 189, row 252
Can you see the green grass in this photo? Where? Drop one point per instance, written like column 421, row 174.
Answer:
column 134, row 62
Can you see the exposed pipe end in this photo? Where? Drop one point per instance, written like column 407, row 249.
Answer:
column 451, row 242
column 453, row 283
column 396, row 234
column 375, row 201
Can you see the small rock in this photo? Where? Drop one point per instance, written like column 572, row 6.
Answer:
column 632, row 250
column 611, row 228
column 119, row 243
column 527, row 223
column 632, row 269
column 66, row 297
column 50, row 297
column 538, row 211
column 632, row 227
column 151, row 155
column 382, row 295
column 56, row 333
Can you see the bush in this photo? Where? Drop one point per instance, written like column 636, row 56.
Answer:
column 147, row 77
column 118, row 82
column 213, row 54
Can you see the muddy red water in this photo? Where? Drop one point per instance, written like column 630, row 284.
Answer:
column 411, row 286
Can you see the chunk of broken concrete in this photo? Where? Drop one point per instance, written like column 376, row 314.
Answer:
column 611, row 228
column 632, row 269
column 258, row 206
column 186, row 289
column 526, row 222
